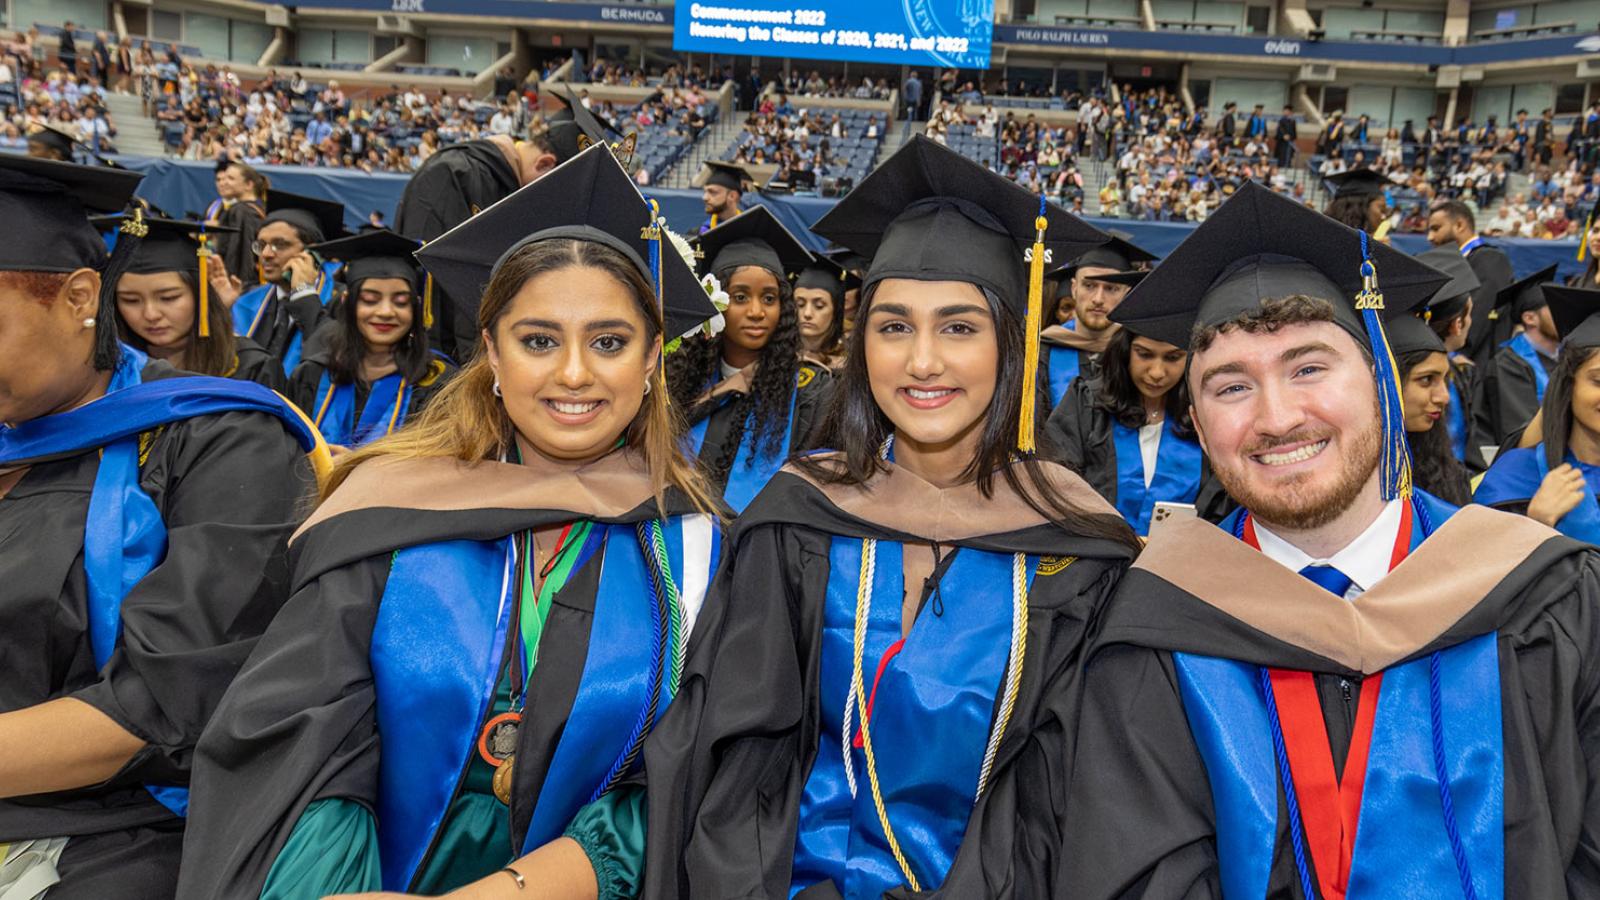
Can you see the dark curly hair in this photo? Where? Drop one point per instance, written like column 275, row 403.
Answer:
column 1434, row 467
column 1120, row 398
column 765, row 410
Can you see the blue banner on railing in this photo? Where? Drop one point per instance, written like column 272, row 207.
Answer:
column 950, row 33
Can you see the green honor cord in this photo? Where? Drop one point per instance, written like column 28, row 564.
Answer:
column 535, row 606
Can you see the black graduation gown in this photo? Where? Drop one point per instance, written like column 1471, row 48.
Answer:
column 307, row 377
column 253, row 363
column 1493, row 268
column 301, row 724
column 450, row 188
column 1467, row 379
column 811, row 396
column 1080, row 434
column 1144, row 824
column 234, row 248
column 728, row 763
column 1508, row 396
column 284, row 317
column 228, row 487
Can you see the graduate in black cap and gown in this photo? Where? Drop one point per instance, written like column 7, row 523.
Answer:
column 165, row 310
column 1449, row 315
column 465, row 178
column 376, row 368
column 854, row 265
column 492, row 606
column 144, row 516
column 1351, row 688
column 50, row 142
column 1426, row 392
column 723, row 185
column 819, row 292
column 747, row 396
column 283, row 312
column 884, row 698
column 1555, row 481
column 1514, row 381
column 1360, row 200
column 1127, row 431
column 1099, row 279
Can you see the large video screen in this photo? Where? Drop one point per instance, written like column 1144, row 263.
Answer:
column 948, row 33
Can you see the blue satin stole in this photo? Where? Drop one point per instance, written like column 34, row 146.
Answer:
column 750, row 472
column 932, row 709
column 124, row 538
column 1176, row 479
column 1455, row 418
column 1516, row 476
column 249, row 309
column 1522, row 347
column 1402, row 847
column 388, row 401
column 437, row 651
column 1063, row 365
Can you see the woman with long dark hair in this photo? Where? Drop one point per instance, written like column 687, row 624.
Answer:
column 1360, row 200
column 1424, row 367
column 492, row 604
column 819, row 301
column 885, row 695
column 746, row 395
column 377, row 369
column 1449, row 316
column 159, row 309
column 1556, row 481
column 1128, row 432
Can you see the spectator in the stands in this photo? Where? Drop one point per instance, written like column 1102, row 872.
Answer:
column 67, row 49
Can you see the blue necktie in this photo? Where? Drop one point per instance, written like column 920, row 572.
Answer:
column 1328, row 578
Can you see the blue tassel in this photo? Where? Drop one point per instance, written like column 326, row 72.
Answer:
column 1394, row 473
column 652, row 234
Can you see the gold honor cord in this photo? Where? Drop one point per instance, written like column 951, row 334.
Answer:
column 858, row 697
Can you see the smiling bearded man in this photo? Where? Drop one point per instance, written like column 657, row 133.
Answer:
column 1350, row 688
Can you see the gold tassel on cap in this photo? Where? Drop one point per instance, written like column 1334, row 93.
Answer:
column 205, row 286
column 1030, row 360
column 1583, row 242
column 427, row 301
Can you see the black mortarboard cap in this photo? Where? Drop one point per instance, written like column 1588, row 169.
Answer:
column 47, row 203
column 824, row 278
column 1409, row 334
column 1260, row 245
column 929, row 214
column 1576, row 314
column 1525, row 294
column 754, row 237
column 54, row 138
column 170, row 245
column 732, row 176
column 322, row 219
column 587, row 198
column 1118, row 254
column 1357, row 183
column 852, row 263
column 1452, row 299
column 575, row 129
column 375, row 253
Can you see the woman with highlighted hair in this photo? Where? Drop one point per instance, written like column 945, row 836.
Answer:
column 144, row 514
column 375, row 369
column 884, row 695
column 492, row 605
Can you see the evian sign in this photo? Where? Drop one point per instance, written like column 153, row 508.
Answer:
column 1282, row 48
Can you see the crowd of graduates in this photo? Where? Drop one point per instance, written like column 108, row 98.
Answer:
column 528, row 548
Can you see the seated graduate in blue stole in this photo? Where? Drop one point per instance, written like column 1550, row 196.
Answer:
column 283, row 312
column 1556, row 481
column 165, row 308
column 1098, row 279
column 747, row 396
column 1350, row 688
column 1424, row 370
column 1514, row 380
column 1449, row 314
column 491, row 607
column 376, row 368
column 144, row 518
column 1127, row 431
column 887, row 686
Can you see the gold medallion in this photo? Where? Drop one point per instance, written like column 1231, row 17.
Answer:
column 502, row 780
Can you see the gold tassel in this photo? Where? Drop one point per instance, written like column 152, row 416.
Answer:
column 1583, row 245
column 205, row 287
column 427, row 301
column 1030, row 359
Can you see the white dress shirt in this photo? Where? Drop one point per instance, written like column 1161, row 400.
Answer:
column 1364, row 560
